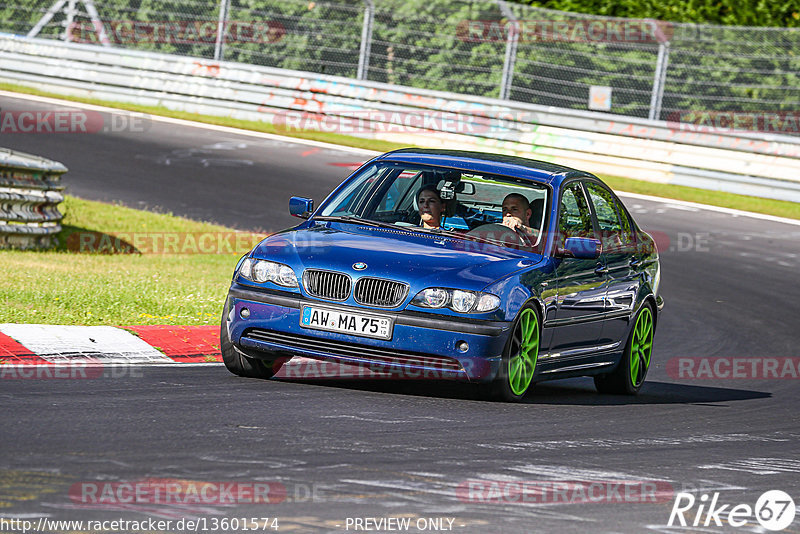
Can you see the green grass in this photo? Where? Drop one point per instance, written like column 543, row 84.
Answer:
column 64, row 287
column 715, row 198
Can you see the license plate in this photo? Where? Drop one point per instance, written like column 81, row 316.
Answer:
column 345, row 322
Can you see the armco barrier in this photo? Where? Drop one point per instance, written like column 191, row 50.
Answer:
column 765, row 165
column 30, row 191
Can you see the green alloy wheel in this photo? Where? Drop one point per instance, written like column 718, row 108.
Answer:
column 524, row 352
column 518, row 366
column 641, row 347
column 629, row 375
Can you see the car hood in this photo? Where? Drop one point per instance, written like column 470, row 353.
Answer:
column 420, row 259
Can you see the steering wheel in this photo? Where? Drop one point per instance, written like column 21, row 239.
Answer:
column 502, row 233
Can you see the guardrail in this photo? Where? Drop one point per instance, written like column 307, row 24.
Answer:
column 30, row 191
column 765, row 165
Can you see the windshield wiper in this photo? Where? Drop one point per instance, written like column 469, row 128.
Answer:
column 436, row 231
column 453, row 233
column 469, row 237
column 359, row 220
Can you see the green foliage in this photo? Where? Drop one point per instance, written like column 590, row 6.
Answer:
column 438, row 45
column 723, row 12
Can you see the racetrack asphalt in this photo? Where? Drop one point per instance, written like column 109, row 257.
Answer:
column 374, row 449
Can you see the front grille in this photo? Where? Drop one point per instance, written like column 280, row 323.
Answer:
column 366, row 355
column 327, row 284
column 379, row 292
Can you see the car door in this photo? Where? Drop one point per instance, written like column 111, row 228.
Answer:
column 581, row 283
column 619, row 257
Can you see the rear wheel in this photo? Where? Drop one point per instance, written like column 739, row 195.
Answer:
column 242, row 365
column 629, row 375
column 520, row 356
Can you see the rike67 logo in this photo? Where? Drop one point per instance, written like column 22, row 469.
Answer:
column 774, row 511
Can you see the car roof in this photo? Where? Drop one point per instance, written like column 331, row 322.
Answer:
column 482, row 162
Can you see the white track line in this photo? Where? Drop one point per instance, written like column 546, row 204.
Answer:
column 361, row 151
column 728, row 211
column 69, row 343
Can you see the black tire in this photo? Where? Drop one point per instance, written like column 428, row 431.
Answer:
column 239, row 363
column 501, row 388
column 621, row 380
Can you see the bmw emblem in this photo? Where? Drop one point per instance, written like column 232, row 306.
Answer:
column 360, row 266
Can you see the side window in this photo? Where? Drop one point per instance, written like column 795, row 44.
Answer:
column 627, row 227
column 351, row 200
column 574, row 219
column 605, row 208
column 403, row 187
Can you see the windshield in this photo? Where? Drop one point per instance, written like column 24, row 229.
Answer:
column 497, row 209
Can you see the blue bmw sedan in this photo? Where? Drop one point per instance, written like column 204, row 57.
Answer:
column 492, row 269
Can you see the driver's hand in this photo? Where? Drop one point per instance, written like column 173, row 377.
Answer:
column 512, row 222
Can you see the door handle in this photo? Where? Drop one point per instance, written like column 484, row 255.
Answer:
column 601, row 269
column 635, row 262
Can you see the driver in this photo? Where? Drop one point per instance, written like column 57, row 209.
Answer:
column 517, row 214
column 431, row 206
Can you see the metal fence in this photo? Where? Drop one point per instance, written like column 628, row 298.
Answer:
column 639, row 68
column 296, row 101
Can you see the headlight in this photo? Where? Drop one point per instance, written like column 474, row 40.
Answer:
column 487, row 302
column 246, row 269
column 262, row 271
column 457, row 300
column 286, row 277
column 463, row 300
column 433, row 297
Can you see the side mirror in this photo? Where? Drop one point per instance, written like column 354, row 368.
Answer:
column 466, row 188
column 301, row 207
column 582, row 248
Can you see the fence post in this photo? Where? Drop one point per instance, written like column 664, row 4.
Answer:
column 223, row 21
column 658, row 81
column 70, row 12
column 511, row 51
column 98, row 24
column 366, row 41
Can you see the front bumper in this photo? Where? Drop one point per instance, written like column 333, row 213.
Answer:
column 422, row 344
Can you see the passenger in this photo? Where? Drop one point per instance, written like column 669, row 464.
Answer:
column 517, row 214
column 431, row 206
